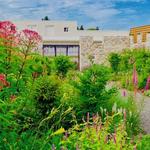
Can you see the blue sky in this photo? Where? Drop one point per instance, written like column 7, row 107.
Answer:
column 107, row 14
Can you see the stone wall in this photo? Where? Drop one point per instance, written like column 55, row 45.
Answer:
column 116, row 43
column 97, row 52
column 90, row 51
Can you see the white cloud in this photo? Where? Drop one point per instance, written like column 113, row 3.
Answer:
column 98, row 11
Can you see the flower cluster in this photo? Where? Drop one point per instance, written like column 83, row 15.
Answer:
column 30, row 37
column 11, row 37
column 3, row 81
column 8, row 33
column 7, row 29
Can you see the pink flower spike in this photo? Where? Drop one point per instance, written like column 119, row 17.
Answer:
column 135, row 77
column 147, row 87
column 124, row 93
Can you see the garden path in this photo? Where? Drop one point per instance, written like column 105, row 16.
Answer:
column 143, row 104
column 145, row 112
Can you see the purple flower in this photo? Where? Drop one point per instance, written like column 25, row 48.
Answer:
column 147, row 83
column 124, row 93
column 135, row 77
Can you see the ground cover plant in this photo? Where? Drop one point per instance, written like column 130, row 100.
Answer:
column 45, row 103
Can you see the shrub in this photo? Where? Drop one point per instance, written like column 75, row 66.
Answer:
column 142, row 80
column 114, row 60
column 62, row 65
column 92, row 89
column 144, row 144
column 45, row 92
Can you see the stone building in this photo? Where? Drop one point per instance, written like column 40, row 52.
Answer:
column 84, row 46
column 140, row 37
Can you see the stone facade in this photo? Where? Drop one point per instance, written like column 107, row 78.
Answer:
column 90, row 51
column 116, row 43
column 97, row 52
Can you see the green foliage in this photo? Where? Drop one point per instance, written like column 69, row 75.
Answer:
column 94, row 135
column 125, row 62
column 128, row 106
column 45, row 93
column 62, row 65
column 144, row 144
column 114, row 60
column 92, row 89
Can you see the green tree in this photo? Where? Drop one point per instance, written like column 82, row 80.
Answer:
column 81, row 27
column 46, row 18
column 97, row 28
column 92, row 87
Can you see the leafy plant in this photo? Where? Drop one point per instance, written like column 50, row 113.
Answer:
column 95, row 135
column 62, row 65
column 144, row 144
column 114, row 60
column 91, row 86
column 45, row 92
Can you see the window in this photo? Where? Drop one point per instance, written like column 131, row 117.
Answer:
column 66, row 50
column 49, row 50
column 131, row 39
column 73, row 50
column 66, row 29
column 61, row 50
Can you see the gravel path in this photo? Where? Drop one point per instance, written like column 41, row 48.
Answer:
column 145, row 114
column 143, row 103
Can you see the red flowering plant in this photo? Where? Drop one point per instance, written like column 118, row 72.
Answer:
column 15, row 49
column 29, row 42
column 8, row 33
column 8, row 42
column 147, row 87
column 3, row 82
